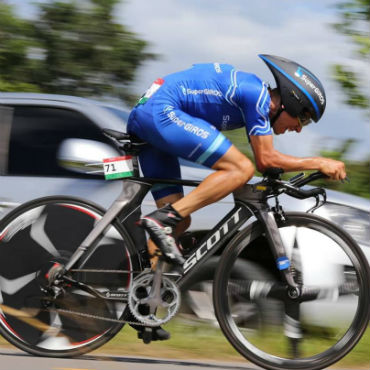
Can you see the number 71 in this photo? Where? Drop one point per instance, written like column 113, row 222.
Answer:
column 109, row 167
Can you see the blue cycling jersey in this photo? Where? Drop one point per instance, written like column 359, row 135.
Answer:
column 182, row 115
column 221, row 95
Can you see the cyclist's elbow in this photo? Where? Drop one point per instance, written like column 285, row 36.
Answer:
column 262, row 165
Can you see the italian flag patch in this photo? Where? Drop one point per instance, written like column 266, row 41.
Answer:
column 152, row 89
column 118, row 167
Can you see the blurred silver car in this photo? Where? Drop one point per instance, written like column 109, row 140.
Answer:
column 46, row 140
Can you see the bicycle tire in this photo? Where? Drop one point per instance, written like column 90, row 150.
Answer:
column 50, row 229
column 259, row 352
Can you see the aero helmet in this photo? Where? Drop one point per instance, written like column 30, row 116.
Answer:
column 300, row 89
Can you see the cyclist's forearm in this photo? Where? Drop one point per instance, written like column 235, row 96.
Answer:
column 288, row 163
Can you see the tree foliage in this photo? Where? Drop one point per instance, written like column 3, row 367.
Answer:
column 72, row 47
column 15, row 66
column 355, row 24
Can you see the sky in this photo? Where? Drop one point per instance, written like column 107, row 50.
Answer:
column 235, row 32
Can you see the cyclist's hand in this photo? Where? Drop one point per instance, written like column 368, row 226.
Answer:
column 336, row 170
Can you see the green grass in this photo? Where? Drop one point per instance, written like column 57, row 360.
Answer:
column 197, row 341
column 190, row 340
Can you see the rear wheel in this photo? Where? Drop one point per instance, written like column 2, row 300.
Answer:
column 314, row 333
column 37, row 238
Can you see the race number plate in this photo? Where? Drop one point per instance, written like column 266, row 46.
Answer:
column 118, row 167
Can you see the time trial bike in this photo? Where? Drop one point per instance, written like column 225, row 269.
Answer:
column 71, row 274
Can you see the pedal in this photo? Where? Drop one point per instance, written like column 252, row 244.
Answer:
column 147, row 335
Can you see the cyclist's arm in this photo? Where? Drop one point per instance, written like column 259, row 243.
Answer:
column 267, row 156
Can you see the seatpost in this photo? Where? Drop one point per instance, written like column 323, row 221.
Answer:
column 135, row 163
column 128, row 149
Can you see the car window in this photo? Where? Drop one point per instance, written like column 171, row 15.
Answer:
column 35, row 136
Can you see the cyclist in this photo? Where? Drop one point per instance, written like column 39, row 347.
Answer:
column 182, row 115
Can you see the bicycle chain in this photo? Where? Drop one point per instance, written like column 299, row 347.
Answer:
column 106, row 271
column 90, row 316
column 96, row 317
column 171, row 274
column 82, row 314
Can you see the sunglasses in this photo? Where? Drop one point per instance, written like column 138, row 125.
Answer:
column 304, row 119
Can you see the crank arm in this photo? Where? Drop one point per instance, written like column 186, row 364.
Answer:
column 312, row 294
column 154, row 299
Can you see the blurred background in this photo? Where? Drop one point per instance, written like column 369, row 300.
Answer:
column 112, row 50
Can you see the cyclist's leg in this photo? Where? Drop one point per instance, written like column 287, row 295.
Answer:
column 159, row 164
column 233, row 170
column 152, row 162
column 197, row 140
column 180, row 228
column 192, row 138
column 170, row 199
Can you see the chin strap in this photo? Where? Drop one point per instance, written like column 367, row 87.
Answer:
column 277, row 115
column 273, row 93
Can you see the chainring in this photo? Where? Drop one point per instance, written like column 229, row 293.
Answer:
column 139, row 300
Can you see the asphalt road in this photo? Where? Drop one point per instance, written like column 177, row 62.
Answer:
column 17, row 360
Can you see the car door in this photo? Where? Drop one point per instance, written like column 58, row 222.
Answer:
column 30, row 138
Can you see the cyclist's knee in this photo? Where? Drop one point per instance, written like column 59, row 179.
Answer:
column 239, row 168
column 246, row 169
column 242, row 172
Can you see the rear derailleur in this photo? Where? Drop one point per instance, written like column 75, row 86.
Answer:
column 51, row 281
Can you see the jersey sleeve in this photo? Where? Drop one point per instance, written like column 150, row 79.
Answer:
column 254, row 102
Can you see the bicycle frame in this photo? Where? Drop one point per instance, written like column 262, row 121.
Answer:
column 249, row 201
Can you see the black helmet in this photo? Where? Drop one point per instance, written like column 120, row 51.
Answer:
column 300, row 90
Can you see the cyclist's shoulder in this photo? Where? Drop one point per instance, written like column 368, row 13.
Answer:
column 250, row 81
column 251, row 88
